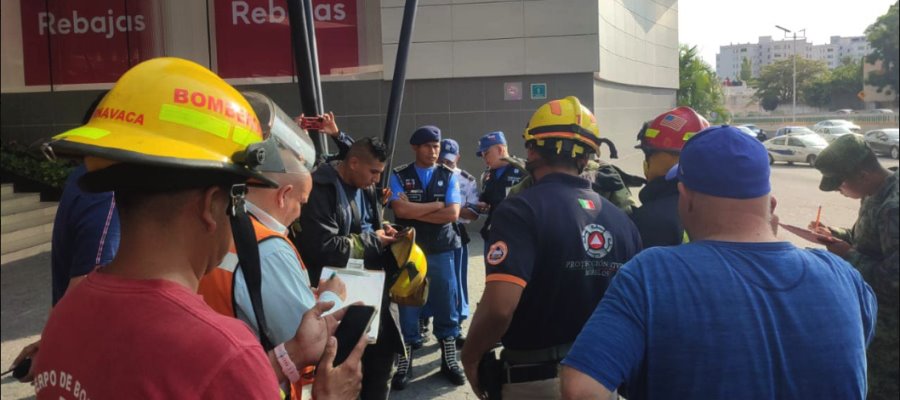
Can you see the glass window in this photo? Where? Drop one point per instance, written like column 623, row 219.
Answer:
column 86, row 42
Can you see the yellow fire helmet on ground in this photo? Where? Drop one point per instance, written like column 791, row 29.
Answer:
column 169, row 123
column 411, row 286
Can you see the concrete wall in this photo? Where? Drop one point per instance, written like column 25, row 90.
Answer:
column 466, row 38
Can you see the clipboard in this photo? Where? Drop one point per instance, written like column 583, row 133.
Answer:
column 803, row 233
column 366, row 286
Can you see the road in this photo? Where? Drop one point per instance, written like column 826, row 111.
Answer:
column 25, row 285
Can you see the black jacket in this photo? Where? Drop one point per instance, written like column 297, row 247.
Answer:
column 324, row 240
column 657, row 218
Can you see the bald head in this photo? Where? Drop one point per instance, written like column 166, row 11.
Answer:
column 294, row 185
column 707, row 217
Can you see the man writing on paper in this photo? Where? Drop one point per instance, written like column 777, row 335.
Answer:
column 286, row 291
column 871, row 245
column 342, row 220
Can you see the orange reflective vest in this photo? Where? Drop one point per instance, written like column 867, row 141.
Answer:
column 217, row 289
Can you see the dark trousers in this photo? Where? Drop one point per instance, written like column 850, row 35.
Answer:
column 378, row 368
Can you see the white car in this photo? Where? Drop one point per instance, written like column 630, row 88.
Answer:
column 795, row 148
column 829, row 133
column 828, row 123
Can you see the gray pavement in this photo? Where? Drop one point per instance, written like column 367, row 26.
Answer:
column 25, row 285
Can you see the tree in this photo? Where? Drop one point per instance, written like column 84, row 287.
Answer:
column 884, row 37
column 746, row 70
column 698, row 86
column 769, row 102
column 834, row 87
column 775, row 80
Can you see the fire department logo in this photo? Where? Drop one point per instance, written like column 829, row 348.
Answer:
column 597, row 240
column 497, row 253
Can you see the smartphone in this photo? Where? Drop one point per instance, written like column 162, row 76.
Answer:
column 19, row 370
column 402, row 231
column 312, row 123
column 355, row 323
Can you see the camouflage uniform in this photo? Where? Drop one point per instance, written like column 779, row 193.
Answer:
column 606, row 179
column 874, row 240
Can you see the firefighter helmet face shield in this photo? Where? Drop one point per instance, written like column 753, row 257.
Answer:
column 278, row 127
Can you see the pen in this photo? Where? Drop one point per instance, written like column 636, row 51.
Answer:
column 818, row 217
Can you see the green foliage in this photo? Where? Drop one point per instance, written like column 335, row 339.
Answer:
column 884, row 37
column 769, row 102
column 844, row 81
column 775, row 80
column 698, row 86
column 18, row 160
column 746, row 70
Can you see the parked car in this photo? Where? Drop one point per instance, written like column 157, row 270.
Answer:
column 747, row 131
column 760, row 133
column 843, row 111
column 829, row 133
column 838, row 122
column 793, row 130
column 884, row 141
column 883, row 111
column 795, row 148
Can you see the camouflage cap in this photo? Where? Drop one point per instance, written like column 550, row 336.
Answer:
column 840, row 159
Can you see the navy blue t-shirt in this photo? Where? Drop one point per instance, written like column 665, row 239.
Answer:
column 85, row 233
column 562, row 243
column 720, row 320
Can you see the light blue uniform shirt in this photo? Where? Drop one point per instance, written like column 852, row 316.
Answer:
column 286, row 293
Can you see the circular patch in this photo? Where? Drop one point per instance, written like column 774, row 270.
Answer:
column 597, row 240
column 497, row 253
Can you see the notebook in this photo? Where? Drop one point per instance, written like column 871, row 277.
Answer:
column 365, row 286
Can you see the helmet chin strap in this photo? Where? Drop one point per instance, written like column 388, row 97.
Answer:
column 248, row 257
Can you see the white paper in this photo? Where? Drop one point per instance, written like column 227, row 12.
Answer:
column 365, row 286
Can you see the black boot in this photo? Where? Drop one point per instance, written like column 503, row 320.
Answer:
column 404, row 370
column 449, row 363
column 460, row 341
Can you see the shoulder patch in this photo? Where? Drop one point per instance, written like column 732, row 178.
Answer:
column 497, row 253
column 402, row 167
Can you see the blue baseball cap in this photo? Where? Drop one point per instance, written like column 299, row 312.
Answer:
column 425, row 134
column 489, row 140
column 449, row 150
column 722, row 161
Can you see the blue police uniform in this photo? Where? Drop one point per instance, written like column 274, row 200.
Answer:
column 563, row 244
column 425, row 185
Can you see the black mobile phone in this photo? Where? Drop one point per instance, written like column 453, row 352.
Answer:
column 21, row 369
column 355, row 323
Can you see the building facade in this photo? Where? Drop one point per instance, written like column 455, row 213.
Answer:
column 474, row 66
column 766, row 51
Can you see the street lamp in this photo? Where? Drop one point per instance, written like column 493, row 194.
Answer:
column 794, row 77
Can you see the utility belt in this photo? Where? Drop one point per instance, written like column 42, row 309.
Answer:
column 519, row 366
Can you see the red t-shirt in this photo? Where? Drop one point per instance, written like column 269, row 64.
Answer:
column 111, row 337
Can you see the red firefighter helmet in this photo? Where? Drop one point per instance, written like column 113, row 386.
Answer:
column 670, row 130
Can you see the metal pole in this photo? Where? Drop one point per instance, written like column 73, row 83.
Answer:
column 304, row 60
column 314, row 53
column 794, row 84
column 397, row 84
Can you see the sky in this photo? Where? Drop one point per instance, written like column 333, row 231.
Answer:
column 709, row 24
